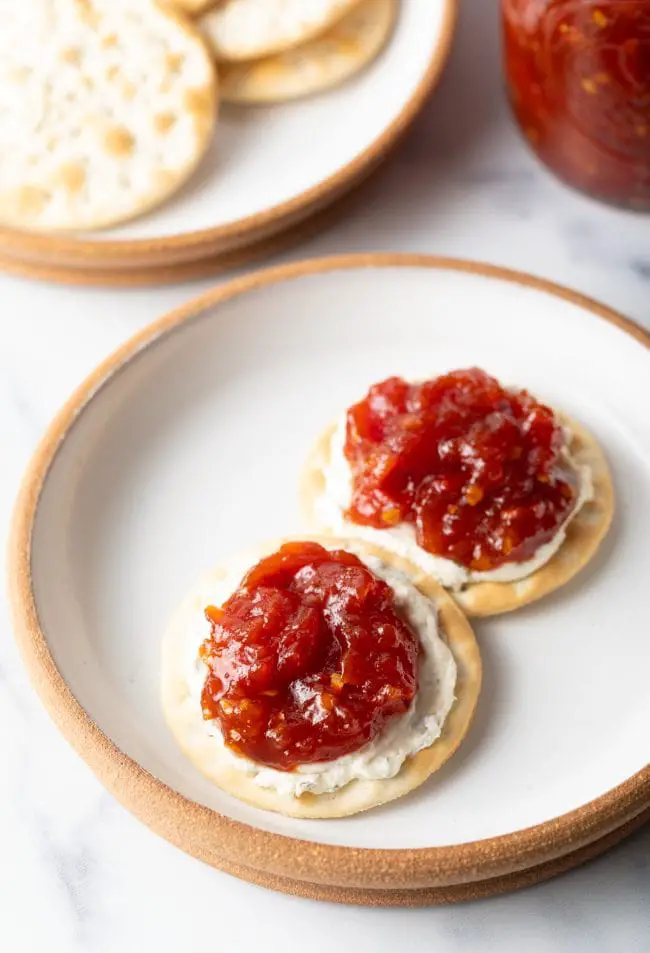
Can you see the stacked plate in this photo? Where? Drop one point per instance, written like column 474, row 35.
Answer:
column 269, row 174
column 555, row 767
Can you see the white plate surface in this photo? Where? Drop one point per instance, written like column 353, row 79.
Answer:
column 263, row 157
column 193, row 449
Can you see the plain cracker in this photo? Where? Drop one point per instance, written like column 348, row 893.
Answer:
column 584, row 533
column 187, row 726
column 106, row 107
column 251, row 29
column 322, row 63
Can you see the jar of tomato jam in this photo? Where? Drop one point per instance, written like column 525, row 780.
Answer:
column 578, row 76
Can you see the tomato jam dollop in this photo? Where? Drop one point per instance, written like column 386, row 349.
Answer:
column 578, row 74
column 477, row 469
column 308, row 659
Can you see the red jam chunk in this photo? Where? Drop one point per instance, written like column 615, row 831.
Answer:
column 578, row 73
column 477, row 469
column 308, row 659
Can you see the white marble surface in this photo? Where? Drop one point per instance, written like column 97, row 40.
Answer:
column 77, row 873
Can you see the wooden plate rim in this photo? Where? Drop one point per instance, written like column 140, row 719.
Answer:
column 117, row 276
column 202, row 831
column 80, row 249
column 454, row 893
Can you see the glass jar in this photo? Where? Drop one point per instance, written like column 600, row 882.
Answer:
column 578, row 76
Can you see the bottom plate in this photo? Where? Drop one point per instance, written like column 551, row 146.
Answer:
column 191, row 270
column 437, row 896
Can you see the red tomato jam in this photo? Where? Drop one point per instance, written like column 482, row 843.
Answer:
column 308, row 659
column 477, row 469
column 578, row 74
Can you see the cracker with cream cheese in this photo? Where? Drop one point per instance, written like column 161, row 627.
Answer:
column 584, row 533
column 184, row 716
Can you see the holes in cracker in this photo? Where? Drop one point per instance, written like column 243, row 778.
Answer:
column 175, row 62
column 71, row 176
column 71, row 56
column 163, row 122
column 199, row 103
column 32, row 200
column 119, row 141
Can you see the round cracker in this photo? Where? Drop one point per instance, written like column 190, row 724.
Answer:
column 329, row 60
column 252, row 29
column 187, row 725
column 584, row 533
column 110, row 122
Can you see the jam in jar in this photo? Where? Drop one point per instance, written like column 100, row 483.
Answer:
column 308, row 659
column 578, row 76
column 478, row 470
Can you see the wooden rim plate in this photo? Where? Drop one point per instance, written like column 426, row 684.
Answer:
column 142, row 276
column 269, row 167
column 438, row 896
column 176, row 450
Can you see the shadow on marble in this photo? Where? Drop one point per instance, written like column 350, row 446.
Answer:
column 441, row 162
column 469, row 102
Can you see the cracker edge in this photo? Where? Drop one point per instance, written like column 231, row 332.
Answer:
column 583, row 537
column 191, row 8
column 326, row 24
column 358, row 795
column 251, row 89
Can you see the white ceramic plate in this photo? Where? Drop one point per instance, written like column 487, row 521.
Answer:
column 270, row 165
column 187, row 445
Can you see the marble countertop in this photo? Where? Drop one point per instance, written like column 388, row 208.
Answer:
column 80, row 875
